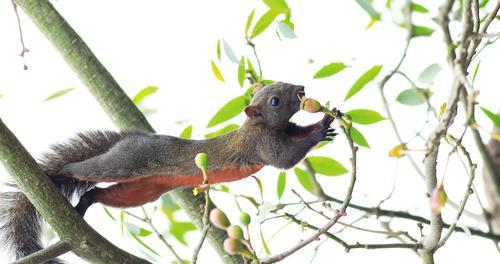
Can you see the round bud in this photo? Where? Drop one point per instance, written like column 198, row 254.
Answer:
column 219, row 219
column 201, row 160
column 233, row 246
column 245, row 219
column 310, row 105
column 235, row 231
column 438, row 199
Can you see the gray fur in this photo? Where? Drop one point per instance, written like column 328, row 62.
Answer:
column 20, row 223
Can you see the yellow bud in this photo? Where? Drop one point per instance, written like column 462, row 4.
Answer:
column 441, row 110
column 398, row 151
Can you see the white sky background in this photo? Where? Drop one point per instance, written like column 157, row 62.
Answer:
column 170, row 44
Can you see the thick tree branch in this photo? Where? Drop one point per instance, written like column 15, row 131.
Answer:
column 111, row 97
column 54, row 208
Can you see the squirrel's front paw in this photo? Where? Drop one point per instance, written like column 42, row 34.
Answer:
column 328, row 119
column 325, row 134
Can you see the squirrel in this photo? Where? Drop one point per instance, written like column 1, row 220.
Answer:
column 143, row 166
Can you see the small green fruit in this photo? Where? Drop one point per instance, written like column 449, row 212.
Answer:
column 219, row 219
column 235, row 231
column 233, row 246
column 245, row 219
column 201, row 160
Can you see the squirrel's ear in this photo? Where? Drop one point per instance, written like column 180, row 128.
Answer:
column 252, row 111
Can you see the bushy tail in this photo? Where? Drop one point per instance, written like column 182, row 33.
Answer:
column 20, row 223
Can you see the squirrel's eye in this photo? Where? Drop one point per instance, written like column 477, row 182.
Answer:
column 275, row 101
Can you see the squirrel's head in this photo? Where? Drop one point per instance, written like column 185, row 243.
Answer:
column 275, row 104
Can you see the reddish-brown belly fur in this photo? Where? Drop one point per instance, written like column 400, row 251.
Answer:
column 138, row 191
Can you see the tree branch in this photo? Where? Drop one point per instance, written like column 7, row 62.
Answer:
column 46, row 254
column 54, row 208
column 111, row 97
column 377, row 211
column 338, row 215
column 348, row 246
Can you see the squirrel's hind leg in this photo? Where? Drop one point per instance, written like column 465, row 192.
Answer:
column 86, row 201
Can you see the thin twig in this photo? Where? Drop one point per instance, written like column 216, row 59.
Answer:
column 24, row 50
column 46, row 254
column 348, row 246
column 206, row 222
column 329, row 224
column 149, row 221
column 467, row 192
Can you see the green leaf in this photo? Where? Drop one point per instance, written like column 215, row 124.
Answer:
column 276, row 4
column 221, row 187
column 261, row 189
column 108, row 213
column 367, row 77
column 222, row 131
column 475, row 72
column 263, row 241
column 229, row 110
column 241, row 72
column 305, row 179
column 280, row 187
column 136, row 230
column 365, row 116
column 265, row 21
column 251, row 68
column 327, row 166
column 143, row 93
column 145, row 245
column 483, row 3
column 329, row 70
column 186, row 133
column 410, row 97
column 122, row 221
column 216, row 72
column 249, row 199
column 429, row 73
column 180, row 229
column 286, row 30
column 249, row 21
column 422, row 31
column 418, row 8
column 229, row 52
column 358, row 138
column 218, row 49
column 492, row 116
column 368, row 7
column 59, row 94
column 169, row 207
